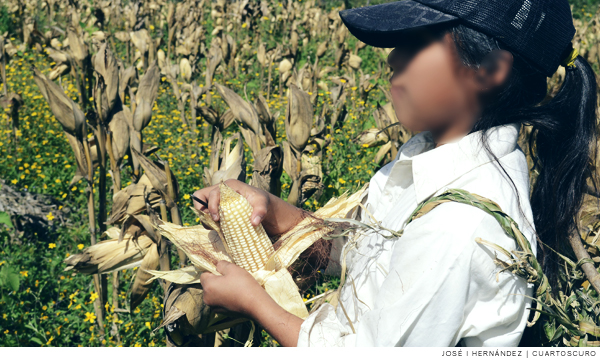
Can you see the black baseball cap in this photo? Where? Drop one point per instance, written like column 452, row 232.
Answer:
column 538, row 30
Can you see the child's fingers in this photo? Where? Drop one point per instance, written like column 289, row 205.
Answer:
column 213, row 203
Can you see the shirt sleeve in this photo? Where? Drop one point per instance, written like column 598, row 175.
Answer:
column 437, row 277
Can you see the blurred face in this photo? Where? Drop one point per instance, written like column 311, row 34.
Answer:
column 430, row 88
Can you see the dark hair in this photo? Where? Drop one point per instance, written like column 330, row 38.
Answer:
column 562, row 139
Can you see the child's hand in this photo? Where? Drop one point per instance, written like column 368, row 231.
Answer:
column 235, row 290
column 258, row 199
column 275, row 215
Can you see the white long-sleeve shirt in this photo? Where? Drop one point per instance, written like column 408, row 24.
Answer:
column 434, row 285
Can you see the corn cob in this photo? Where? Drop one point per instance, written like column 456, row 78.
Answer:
column 249, row 246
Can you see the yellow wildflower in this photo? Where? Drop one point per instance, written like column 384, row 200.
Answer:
column 89, row 317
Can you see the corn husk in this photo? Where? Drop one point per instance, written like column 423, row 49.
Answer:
column 354, row 61
column 59, row 71
column 268, row 166
column 77, row 47
column 145, row 97
column 372, row 138
column 131, row 200
column 185, row 315
column 298, row 118
column 110, row 255
column 228, row 163
column 106, row 66
column 141, row 285
column 67, row 112
column 185, row 69
column 241, row 109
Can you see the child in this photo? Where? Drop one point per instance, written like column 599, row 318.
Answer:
column 466, row 75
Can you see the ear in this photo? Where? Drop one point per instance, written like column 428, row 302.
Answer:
column 494, row 70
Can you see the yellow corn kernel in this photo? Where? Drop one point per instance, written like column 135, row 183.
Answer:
column 249, row 246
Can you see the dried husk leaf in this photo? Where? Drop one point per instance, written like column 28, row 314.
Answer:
column 122, row 36
column 140, row 40
column 145, row 97
column 77, row 46
column 242, row 110
column 185, row 69
column 157, row 176
column 187, row 275
column 372, row 138
column 59, row 71
column 58, row 56
column 268, row 166
column 186, row 316
column 119, row 128
column 281, row 287
column 261, row 55
column 298, row 118
column 130, row 200
column 127, row 77
column 321, row 49
column 68, row 113
column 106, row 66
column 232, row 162
column 382, row 152
column 262, row 110
column 285, row 66
column 203, row 247
column 304, row 235
column 290, row 160
column 141, row 286
column 354, row 61
column 110, row 255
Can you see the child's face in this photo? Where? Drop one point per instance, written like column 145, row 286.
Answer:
column 431, row 89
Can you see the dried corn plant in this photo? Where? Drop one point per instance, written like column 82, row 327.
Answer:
column 74, row 125
column 142, row 111
column 298, row 124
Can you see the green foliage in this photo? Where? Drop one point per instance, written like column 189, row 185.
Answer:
column 7, row 22
column 9, row 278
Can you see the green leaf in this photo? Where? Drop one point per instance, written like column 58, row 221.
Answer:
column 5, row 219
column 36, row 340
column 550, row 330
column 558, row 334
column 13, row 281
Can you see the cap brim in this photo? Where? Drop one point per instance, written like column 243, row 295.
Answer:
column 380, row 25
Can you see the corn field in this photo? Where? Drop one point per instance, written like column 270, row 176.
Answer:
column 115, row 112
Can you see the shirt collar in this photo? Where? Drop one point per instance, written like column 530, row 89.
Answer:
column 434, row 168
